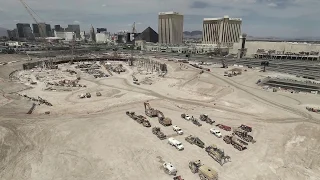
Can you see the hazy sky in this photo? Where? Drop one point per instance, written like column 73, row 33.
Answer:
column 281, row 18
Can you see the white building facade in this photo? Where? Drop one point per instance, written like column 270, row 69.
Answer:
column 68, row 36
column 170, row 28
column 221, row 31
column 102, row 37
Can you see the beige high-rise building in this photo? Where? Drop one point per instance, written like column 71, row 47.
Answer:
column 221, row 31
column 170, row 28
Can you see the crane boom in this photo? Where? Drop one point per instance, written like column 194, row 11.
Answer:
column 30, row 13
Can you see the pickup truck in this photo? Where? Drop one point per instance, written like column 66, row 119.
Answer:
column 177, row 130
column 177, row 144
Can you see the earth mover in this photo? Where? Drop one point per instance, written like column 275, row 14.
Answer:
column 246, row 128
column 205, row 172
column 151, row 112
column 243, row 135
column 195, row 140
column 158, row 133
column 217, row 154
column 205, row 117
column 235, row 142
column 196, row 122
column 163, row 120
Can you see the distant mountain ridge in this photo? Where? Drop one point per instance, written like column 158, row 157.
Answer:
column 192, row 34
column 3, row 32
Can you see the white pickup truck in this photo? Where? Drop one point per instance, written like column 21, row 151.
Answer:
column 177, row 130
column 177, row 144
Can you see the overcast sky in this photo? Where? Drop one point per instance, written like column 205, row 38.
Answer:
column 280, row 18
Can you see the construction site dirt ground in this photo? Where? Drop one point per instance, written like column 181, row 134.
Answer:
column 93, row 138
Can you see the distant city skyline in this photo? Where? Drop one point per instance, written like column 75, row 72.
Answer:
column 263, row 18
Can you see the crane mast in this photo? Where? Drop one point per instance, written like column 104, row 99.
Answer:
column 30, row 13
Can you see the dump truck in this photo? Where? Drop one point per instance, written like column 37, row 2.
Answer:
column 217, row 154
column 205, row 117
column 205, row 172
column 151, row 112
column 158, row 133
column 195, row 140
column 243, row 135
column 163, row 120
column 235, row 142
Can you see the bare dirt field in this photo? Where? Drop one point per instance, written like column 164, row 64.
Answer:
column 93, row 138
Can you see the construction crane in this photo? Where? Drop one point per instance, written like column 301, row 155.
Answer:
column 29, row 10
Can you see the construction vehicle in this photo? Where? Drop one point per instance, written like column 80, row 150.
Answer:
column 195, row 140
column 205, row 117
column 224, row 127
column 163, row 120
column 217, row 154
column 134, row 78
column 205, row 172
column 158, row 133
column 186, row 117
column 146, row 123
column 151, row 112
column 177, row 144
column 196, row 122
column 132, row 115
column 243, row 135
column 169, row 168
column 177, row 178
column 140, row 119
column 235, row 142
column 88, row 95
column 98, row 93
column 224, row 65
column 246, row 128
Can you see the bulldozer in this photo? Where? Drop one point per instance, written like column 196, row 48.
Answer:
column 195, row 140
column 151, row 112
column 158, row 133
column 163, row 120
column 243, row 135
column 205, row 172
column 235, row 142
column 217, row 154
column 205, row 117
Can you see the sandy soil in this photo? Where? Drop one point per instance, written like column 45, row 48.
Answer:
column 93, row 138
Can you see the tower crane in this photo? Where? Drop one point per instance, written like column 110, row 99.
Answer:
column 30, row 13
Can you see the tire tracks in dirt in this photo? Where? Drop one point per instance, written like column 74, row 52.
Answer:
column 298, row 112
